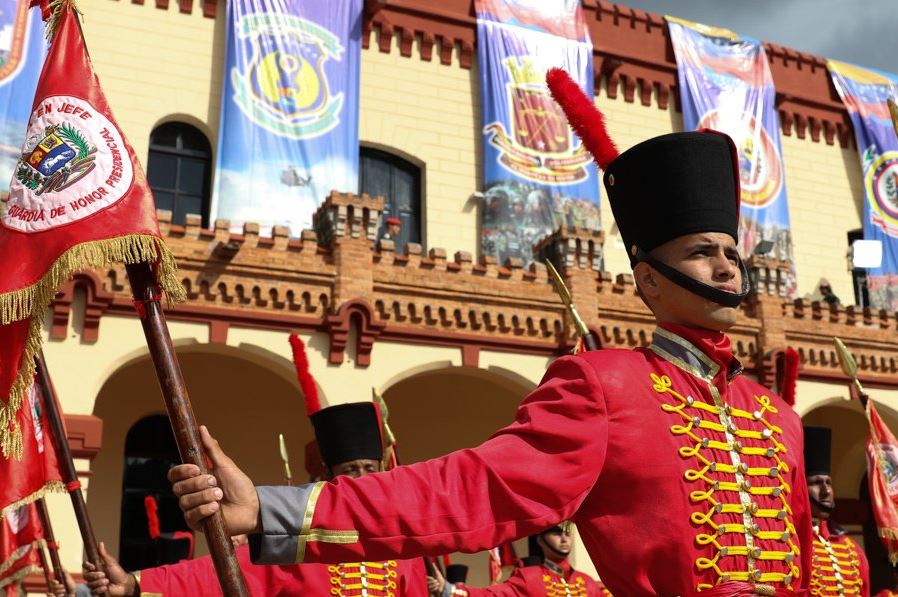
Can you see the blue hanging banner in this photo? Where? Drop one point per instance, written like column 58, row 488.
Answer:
column 726, row 85
column 290, row 110
column 22, row 51
column 537, row 174
column 865, row 93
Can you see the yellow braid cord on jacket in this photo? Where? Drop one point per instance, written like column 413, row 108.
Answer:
column 556, row 586
column 722, row 428
column 364, row 579
column 836, row 567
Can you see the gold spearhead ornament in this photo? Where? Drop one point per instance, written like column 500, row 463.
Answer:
column 285, row 457
column 893, row 110
column 566, row 298
column 848, row 364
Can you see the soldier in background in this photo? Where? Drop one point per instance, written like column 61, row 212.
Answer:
column 839, row 565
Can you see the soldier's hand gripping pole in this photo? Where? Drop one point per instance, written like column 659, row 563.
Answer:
column 147, row 295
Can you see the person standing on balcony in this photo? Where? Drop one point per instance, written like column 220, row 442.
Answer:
column 684, row 476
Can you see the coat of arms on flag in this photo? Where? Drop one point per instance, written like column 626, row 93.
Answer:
column 78, row 200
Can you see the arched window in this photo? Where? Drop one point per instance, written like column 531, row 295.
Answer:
column 399, row 181
column 179, row 170
column 150, row 450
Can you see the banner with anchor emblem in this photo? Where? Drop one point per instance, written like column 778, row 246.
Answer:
column 290, row 110
column 865, row 93
column 537, row 174
column 726, row 85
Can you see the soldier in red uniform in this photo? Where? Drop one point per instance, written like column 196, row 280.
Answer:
column 839, row 565
column 682, row 474
column 554, row 577
column 350, row 444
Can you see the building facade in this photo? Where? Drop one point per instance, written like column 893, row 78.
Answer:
column 451, row 339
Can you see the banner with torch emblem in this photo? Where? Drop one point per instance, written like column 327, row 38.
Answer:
column 726, row 85
column 290, row 110
column 865, row 93
column 537, row 175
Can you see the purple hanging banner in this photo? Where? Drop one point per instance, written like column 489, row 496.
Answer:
column 725, row 85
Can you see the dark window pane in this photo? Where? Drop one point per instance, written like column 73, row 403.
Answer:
column 162, row 170
column 399, row 181
column 190, row 204
column 179, row 170
column 194, row 140
column 165, row 135
column 165, row 200
column 404, row 190
column 192, row 176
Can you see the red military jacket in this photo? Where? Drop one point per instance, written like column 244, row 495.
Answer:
column 680, row 473
column 196, row 578
column 549, row 580
column 840, row 566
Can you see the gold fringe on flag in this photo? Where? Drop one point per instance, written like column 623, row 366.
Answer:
column 52, row 21
column 49, row 487
column 32, row 302
column 31, row 569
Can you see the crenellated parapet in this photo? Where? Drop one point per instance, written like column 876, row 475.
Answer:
column 333, row 279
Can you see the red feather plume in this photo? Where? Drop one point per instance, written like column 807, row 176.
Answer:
column 583, row 116
column 787, row 389
column 152, row 509
column 306, row 381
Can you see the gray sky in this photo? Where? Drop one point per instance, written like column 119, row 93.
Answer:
column 864, row 32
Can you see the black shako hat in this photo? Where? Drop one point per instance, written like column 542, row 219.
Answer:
column 348, row 432
column 817, row 451
column 673, row 185
column 456, row 574
column 662, row 188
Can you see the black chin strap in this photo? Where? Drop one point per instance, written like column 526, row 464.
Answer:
column 721, row 297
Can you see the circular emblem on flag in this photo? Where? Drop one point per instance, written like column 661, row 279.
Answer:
column 881, row 182
column 73, row 164
column 760, row 167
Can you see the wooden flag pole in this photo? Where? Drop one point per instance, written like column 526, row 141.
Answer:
column 66, row 464
column 147, row 294
column 50, row 537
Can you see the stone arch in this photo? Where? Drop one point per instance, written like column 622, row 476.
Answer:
column 245, row 394
column 436, row 408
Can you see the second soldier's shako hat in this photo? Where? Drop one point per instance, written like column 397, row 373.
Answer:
column 456, row 574
column 662, row 188
column 817, row 451
column 343, row 432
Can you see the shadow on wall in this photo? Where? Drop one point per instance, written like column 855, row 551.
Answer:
column 440, row 411
column 244, row 396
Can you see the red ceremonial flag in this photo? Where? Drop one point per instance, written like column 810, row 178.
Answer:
column 38, row 471
column 21, row 536
column 882, row 474
column 78, row 200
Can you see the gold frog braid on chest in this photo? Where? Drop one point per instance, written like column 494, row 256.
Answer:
column 836, row 568
column 721, row 427
column 364, row 579
column 556, row 586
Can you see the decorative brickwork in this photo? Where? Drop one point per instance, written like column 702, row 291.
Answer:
column 286, row 283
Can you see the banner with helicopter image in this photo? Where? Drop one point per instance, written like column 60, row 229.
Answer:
column 290, row 116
